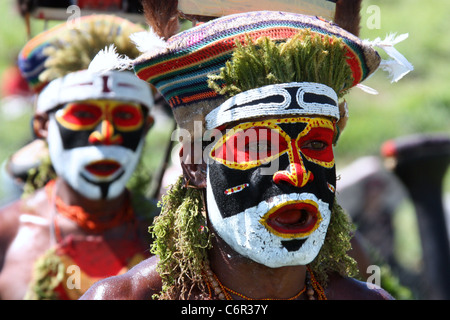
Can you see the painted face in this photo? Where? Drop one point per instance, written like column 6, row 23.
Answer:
column 271, row 187
column 95, row 145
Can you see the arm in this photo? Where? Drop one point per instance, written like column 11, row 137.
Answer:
column 139, row 283
column 342, row 288
column 9, row 222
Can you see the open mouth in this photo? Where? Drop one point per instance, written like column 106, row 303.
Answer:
column 294, row 219
column 103, row 168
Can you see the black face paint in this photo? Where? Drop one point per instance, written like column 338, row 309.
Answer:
column 75, row 139
column 95, row 145
column 256, row 186
column 270, row 196
column 101, row 122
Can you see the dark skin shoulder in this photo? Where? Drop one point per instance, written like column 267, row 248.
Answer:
column 139, row 283
column 343, row 288
column 142, row 282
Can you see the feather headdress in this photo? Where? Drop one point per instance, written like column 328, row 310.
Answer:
column 63, row 49
column 181, row 68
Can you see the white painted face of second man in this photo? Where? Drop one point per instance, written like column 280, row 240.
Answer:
column 95, row 145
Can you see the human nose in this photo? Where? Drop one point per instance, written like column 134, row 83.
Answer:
column 104, row 134
column 296, row 173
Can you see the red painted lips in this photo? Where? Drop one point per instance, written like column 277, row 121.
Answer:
column 293, row 219
column 103, row 168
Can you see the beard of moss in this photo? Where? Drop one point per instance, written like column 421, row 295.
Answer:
column 333, row 256
column 182, row 241
column 307, row 57
column 76, row 48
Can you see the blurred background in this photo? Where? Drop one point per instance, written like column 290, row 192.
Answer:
column 371, row 188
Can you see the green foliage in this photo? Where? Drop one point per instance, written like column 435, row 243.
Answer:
column 181, row 241
column 418, row 103
column 39, row 176
column 75, row 49
column 48, row 274
column 333, row 255
column 307, row 57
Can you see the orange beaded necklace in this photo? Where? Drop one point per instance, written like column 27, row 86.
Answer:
column 312, row 287
column 87, row 221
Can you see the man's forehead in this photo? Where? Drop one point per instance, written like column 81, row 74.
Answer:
column 102, row 102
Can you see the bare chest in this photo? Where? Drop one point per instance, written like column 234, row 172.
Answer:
column 30, row 242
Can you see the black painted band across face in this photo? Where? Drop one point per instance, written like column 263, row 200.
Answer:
column 101, row 122
column 303, row 160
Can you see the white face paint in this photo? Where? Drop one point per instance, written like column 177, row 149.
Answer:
column 72, row 165
column 248, row 236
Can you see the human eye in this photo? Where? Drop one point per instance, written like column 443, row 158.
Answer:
column 79, row 115
column 127, row 117
column 84, row 114
column 250, row 147
column 317, row 145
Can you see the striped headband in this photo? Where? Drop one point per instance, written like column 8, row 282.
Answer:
column 31, row 59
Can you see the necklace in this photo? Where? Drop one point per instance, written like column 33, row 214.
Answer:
column 87, row 221
column 311, row 287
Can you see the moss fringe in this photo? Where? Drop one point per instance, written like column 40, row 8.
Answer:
column 181, row 241
column 307, row 57
column 48, row 273
column 333, row 255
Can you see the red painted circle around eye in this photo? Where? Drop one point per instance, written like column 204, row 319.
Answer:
column 127, row 116
column 82, row 114
column 253, row 144
column 323, row 137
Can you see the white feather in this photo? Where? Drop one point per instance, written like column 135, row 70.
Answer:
column 108, row 59
column 367, row 89
column 396, row 70
column 146, row 41
column 399, row 66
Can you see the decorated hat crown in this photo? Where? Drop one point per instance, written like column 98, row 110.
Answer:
column 69, row 47
column 180, row 71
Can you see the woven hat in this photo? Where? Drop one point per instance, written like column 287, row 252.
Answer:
column 180, row 69
column 33, row 58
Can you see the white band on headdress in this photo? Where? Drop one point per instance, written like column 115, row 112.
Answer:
column 295, row 98
column 85, row 85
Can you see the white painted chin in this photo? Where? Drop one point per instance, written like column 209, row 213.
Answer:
column 247, row 236
column 70, row 165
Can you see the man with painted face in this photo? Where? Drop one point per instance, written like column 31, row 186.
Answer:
column 85, row 224
column 254, row 216
column 95, row 130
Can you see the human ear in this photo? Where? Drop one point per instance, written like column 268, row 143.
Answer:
column 40, row 125
column 149, row 122
column 195, row 173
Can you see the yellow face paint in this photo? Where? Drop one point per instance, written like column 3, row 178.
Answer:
column 251, row 144
column 86, row 115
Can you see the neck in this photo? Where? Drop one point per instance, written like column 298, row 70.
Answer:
column 98, row 207
column 252, row 279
